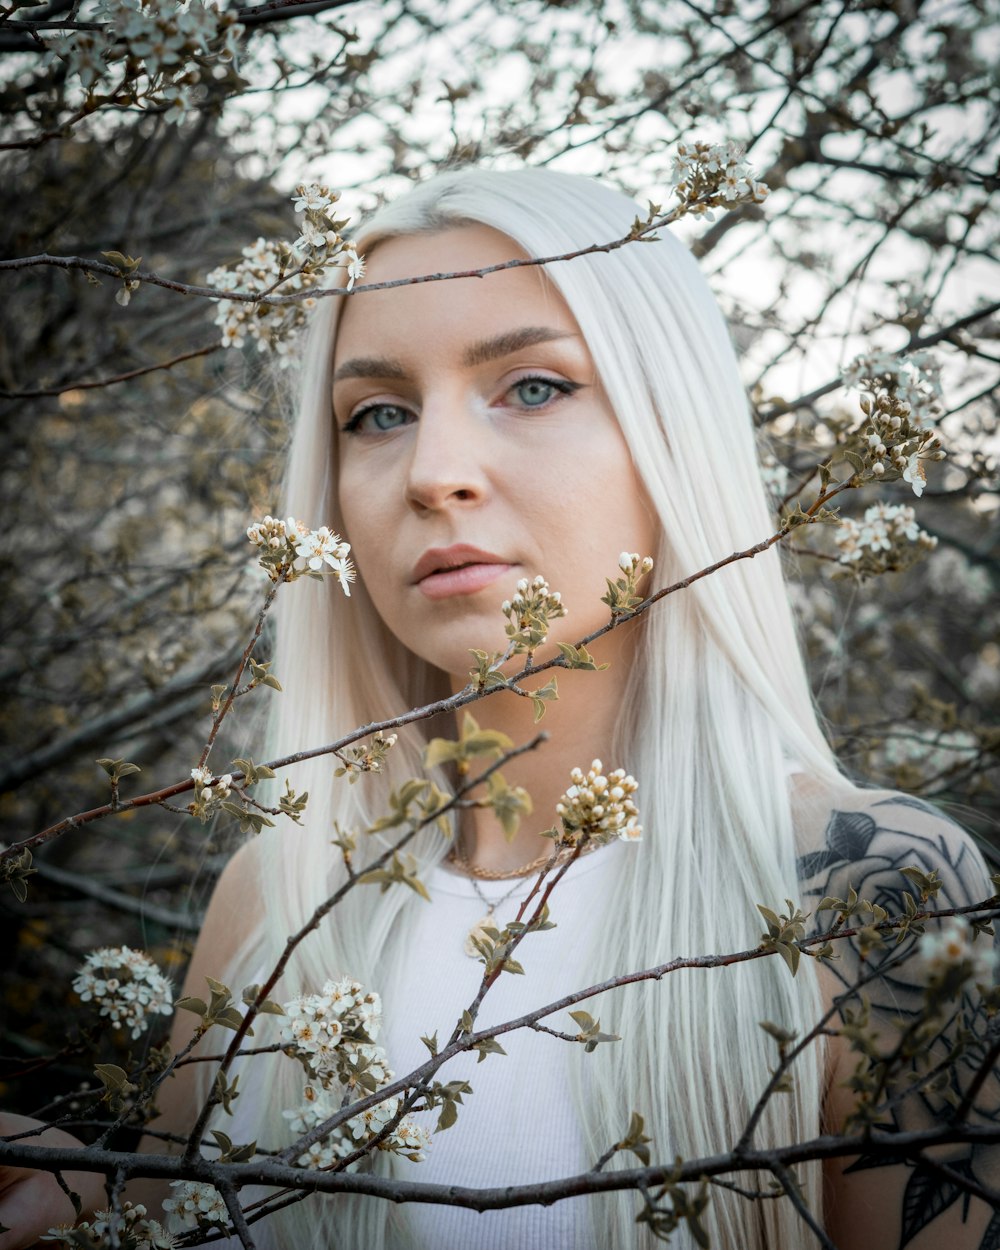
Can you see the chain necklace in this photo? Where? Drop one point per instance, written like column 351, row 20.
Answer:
column 486, row 922
column 457, row 856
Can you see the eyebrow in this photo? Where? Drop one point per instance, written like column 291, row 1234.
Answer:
column 504, row 344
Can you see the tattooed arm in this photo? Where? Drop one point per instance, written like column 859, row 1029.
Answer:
column 911, row 1079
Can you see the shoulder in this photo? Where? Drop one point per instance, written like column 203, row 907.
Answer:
column 850, row 837
column 235, row 903
column 903, row 1052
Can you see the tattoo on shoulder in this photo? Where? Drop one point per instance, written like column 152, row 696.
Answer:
column 911, row 1075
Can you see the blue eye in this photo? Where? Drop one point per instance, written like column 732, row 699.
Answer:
column 537, row 392
column 377, row 419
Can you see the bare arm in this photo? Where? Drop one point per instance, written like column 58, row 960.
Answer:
column 225, row 929
column 916, row 1205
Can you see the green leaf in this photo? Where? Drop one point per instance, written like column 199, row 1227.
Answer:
column 488, row 1046
column 448, row 1116
column 197, row 1005
column 790, row 954
column 781, row 1035
column 127, row 264
column 769, row 916
column 111, row 1076
column 116, row 769
column 226, row 1092
column 441, row 751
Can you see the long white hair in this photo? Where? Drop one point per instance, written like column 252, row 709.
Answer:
column 717, row 704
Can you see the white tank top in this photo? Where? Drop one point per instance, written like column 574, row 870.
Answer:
column 520, row 1125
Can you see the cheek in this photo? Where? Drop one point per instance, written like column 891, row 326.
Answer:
column 362, row 509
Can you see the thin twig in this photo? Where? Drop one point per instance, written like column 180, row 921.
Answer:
column 231, row 1198
column 790, row 1186
column 115, row 379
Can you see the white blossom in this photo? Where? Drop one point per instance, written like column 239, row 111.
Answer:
column 373, row 1120
column 266, row 264
column 410, row 1139
column 332, row 1034
column 915, row 475
column 322, row 546
column 126, row 985
column 195, row 1205
column 329, row 1032
column 529, row 611
column 953, row 948
column 706, row 174
column 600, row 806
column 165, row 50
column 915, row 377
column 313, row 197
column 879, row 542
column 355, row 267
column 290, row 548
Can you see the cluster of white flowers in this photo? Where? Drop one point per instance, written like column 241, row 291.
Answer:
column 130, row 1225
column 623, row 593
column 320, row 238
column 915, row 379
column 159, row 51
column 333, row 1034
column 272, row 532
column 707, row 175
column 196, row 1205
column 886, row 539
column 634, row 565
column 529, row 611
column 270, row 264
column 326, row 1030
column 272, row 327
column 208, row 787
column 126, row 985
column 901, row 402
column 600, row 806
column 953, row 950
column 408, row 1138
column 290, row 548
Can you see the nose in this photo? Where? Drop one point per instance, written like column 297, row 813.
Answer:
column 447, row 466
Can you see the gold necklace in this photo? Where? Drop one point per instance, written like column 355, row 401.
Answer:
column 457, row 856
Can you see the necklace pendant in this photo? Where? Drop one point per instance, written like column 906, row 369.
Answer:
column 477, row 932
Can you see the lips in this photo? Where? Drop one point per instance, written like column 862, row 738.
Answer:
column 459, row 570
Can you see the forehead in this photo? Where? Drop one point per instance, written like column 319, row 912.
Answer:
column 431, row 314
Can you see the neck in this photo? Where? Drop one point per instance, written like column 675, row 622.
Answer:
column 580, row 725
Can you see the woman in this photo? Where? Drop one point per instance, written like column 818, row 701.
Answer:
column 539, row 422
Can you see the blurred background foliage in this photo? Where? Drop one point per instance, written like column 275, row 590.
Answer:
column 129, row 589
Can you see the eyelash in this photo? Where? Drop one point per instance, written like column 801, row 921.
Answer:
column 560, row 385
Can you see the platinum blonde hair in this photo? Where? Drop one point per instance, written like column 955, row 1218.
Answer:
column 715, row 706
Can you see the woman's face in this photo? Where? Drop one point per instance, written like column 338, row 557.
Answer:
column 476, row 447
